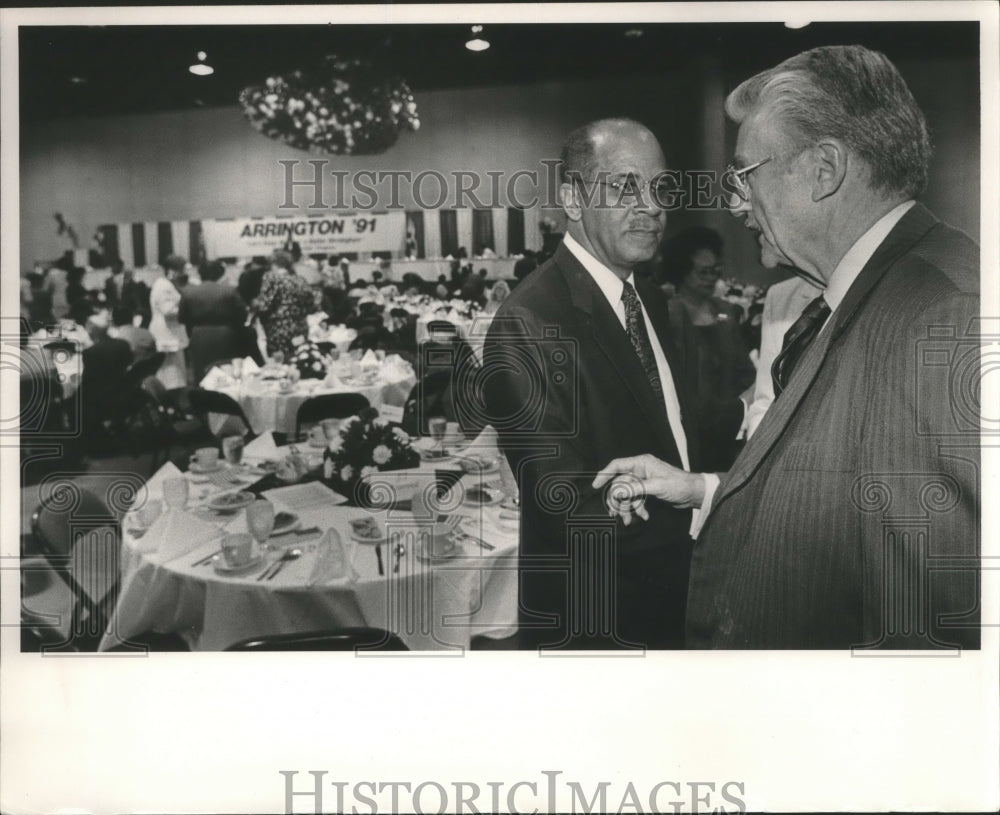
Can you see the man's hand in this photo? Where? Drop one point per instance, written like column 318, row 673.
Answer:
column 635, row 478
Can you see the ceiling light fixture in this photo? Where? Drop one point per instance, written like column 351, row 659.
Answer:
column 796, row 23
column 634, row 33
column 477, row 43
column 201, row 68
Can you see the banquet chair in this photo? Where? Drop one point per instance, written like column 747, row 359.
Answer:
column 177, row 427
column 205, row 401
column 80, row 537
column 337, row 639
column 428, row 398
column 328, row 406
column 138, row 371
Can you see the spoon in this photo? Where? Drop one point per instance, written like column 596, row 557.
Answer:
column 291, row 554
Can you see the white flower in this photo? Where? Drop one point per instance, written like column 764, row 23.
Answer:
column 346, row 473
column 366, row 471
column 401, row 435
column 336, row 445
column 381, row 454
column 317, row 366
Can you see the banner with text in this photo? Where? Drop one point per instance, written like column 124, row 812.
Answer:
column 326, row 234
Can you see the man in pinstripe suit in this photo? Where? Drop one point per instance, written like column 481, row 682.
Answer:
column 851, row 518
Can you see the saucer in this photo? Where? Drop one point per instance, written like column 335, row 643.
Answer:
column 489, row 498
column 369, row 541
column 435, row 455
column 231, row 501
column 426, row 557
column 195, row 467
column 283, row 525
column 477, row 466
column 219, row 564
column 510, row 504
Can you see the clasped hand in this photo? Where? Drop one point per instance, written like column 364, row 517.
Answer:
column 635, row 478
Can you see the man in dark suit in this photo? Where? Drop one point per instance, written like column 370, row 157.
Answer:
column 214, row 314
column 104, row 366
column 579, row 366
column 850, row 520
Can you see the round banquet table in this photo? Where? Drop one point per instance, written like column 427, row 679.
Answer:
column 430, row 606
column 268, row 409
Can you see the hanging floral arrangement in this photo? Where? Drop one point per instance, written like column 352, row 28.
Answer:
column 349, row 108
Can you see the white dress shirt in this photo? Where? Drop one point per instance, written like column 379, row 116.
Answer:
column 612, row 287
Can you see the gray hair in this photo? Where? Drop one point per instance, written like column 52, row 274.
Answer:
column 579, row 156
column 850, row 93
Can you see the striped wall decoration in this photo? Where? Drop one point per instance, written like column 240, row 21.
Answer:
column 439, row 233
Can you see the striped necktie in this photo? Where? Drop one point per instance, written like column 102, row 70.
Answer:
column 797, row 339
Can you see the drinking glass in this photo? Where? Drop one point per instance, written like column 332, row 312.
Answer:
column 437, row 425
column 260, row 521
column 175, row 492
column 238, row 369
column 232, row 449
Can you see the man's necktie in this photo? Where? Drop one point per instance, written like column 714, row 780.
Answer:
column 796, row 340
column 635, row 326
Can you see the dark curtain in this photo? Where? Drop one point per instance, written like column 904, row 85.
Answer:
column 449, row 232
column 515, row 231
column 482, row 231
column 416, row 220
column 109, row 242
column 196, row 239
column 165, row 239
column 139, row 244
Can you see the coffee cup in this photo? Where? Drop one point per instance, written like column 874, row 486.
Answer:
column 237, row 549
column 206, row 457
column 442, row 544
column 285, row 385
column 452, row 434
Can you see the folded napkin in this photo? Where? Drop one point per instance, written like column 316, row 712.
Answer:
column 369, row 360
column 486, row 441
column 176, row 533
column 262, row 447
column 217, row 378
column 249, row 366
column 396, row 368
column 332, row 562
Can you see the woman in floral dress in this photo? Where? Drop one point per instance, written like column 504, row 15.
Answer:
column 284, row 302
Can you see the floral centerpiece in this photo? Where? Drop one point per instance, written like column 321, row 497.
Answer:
column 350, row 108
column 365, row 445
column 308, row 359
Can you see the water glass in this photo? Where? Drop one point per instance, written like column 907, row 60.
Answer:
column 238, row 369
column 175, row 492
column 260, row 520
column 232, row 449
column 438, row 426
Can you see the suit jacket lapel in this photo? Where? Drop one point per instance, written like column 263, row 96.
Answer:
column 602, row 323
column 913, row 226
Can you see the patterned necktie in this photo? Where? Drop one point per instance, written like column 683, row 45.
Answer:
column 797, row 339
column 635, row 327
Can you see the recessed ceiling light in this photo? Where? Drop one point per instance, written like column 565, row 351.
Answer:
column 634, row 33
column 77, row 80
column 477, row 43
column 201, row 68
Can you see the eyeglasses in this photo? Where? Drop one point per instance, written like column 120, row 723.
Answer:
column 736, row 181
column 630, row 189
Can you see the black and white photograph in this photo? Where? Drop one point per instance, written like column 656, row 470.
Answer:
column 515, row 408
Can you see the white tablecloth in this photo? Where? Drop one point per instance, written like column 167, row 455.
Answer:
column 268, row 409
column 430, row 606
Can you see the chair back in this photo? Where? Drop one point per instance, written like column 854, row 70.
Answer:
column 339, row 639
column 328, row 406
column 205, row 401
column 81, row 539
column 138, row 371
